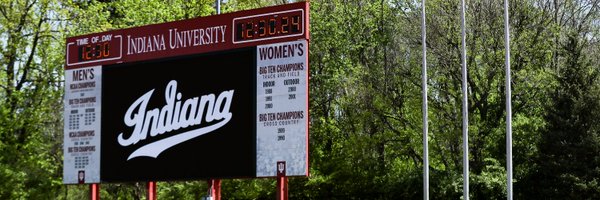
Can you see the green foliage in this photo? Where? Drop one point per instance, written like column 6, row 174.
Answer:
column 567, row 163
column 248, row 189
column 30, row 93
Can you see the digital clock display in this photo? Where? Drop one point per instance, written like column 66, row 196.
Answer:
column 94, row 51
column 268, row 26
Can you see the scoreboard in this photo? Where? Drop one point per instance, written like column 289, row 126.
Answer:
column 222, row 96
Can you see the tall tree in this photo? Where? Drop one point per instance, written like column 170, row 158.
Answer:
column 568, row 163
column 30, row 98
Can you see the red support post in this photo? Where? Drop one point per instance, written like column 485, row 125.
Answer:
column 95, row 191
column 151, row 186
column 215, row 189
column 282, row 188
column 282, row 181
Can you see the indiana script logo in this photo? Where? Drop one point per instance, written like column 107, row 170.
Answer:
column 172, row 117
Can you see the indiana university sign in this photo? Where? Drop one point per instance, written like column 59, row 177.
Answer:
column 223, row 96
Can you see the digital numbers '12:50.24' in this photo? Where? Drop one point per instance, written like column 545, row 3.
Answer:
column 268, row 26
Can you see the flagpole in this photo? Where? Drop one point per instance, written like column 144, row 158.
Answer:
column 465, row 115
column 509, row 166
column 425, row 122
column 218, row 7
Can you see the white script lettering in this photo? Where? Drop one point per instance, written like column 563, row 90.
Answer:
column 173, row 116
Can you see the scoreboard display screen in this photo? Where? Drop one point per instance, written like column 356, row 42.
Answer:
column 222, row 96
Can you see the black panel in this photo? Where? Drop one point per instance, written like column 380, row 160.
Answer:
column 228, row 152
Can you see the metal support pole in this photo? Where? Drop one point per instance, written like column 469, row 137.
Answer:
column 465, row 111
column 282, row 188
column 218, row 7
column 151, row 188
column 215, row 189
column 509, row 166
column 95, row 191
column 282, row 181
column 424, row 91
